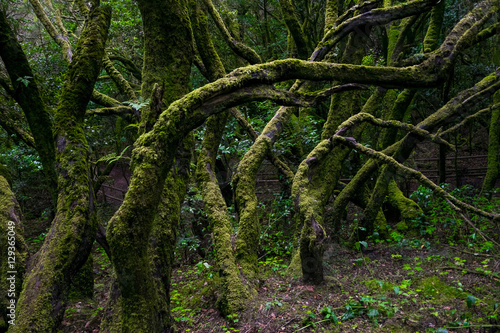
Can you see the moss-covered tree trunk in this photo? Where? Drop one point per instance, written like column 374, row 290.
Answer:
column 234, row 294
column 371, row 216
column 388, row 135
column 166, row 72
column 13, row 253
column 69, row 241
column 29, row 99
column 319, row 173
column 493, row 168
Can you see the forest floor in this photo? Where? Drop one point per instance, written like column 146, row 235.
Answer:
column 398, row 287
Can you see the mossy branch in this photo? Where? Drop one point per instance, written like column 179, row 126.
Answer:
column 294, row 27
column 122, row 84
column 366, row 117
column 331, row 24
column 469, row 118
column 104, row 100
column 58, row 37
column 129, row 65
column 351, row 142
column 10, row 126
column 431, row 39
column 239, row 48
column 122, row 111
column 487, row 33
column 377, row 16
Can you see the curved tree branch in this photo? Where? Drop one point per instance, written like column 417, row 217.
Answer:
column 469, row 118
column 377, row 16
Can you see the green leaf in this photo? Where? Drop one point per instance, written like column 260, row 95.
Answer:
column 365, row 244
column 471, row 300
column 372, row 313
column 396, row 290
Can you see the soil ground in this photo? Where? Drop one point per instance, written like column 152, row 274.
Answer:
column 385, row 288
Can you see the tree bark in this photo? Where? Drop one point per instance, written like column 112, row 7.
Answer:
column 69, row 241
column 493, row 167
column 234, row 292
column 28, row 97
column 13, row 254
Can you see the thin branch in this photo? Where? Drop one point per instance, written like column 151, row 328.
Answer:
column 469, row 118
column 459, row 211
column 201, row 67
column 239, row 48
column 122, row 84
column 59, row 38
column 129, row 65
column 351, row 142
column 366, row 117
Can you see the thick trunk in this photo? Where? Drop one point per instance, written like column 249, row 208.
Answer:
column 234, row 293
column 313, row 185
column 69, row 241
column 142, row 255
column 13, row 254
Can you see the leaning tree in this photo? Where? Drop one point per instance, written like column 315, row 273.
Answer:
column 367, row 60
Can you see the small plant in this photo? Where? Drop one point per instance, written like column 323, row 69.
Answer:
column 269, row 305
column 329, row 315
column 38, row 240
column 233, row 318
column 275, row 264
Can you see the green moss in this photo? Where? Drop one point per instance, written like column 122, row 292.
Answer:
column 493, row 168
column 68, row 244
column 437, row 291
column 10, row 226
column 431, row 40
column 4, row 172
column 408, row 208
